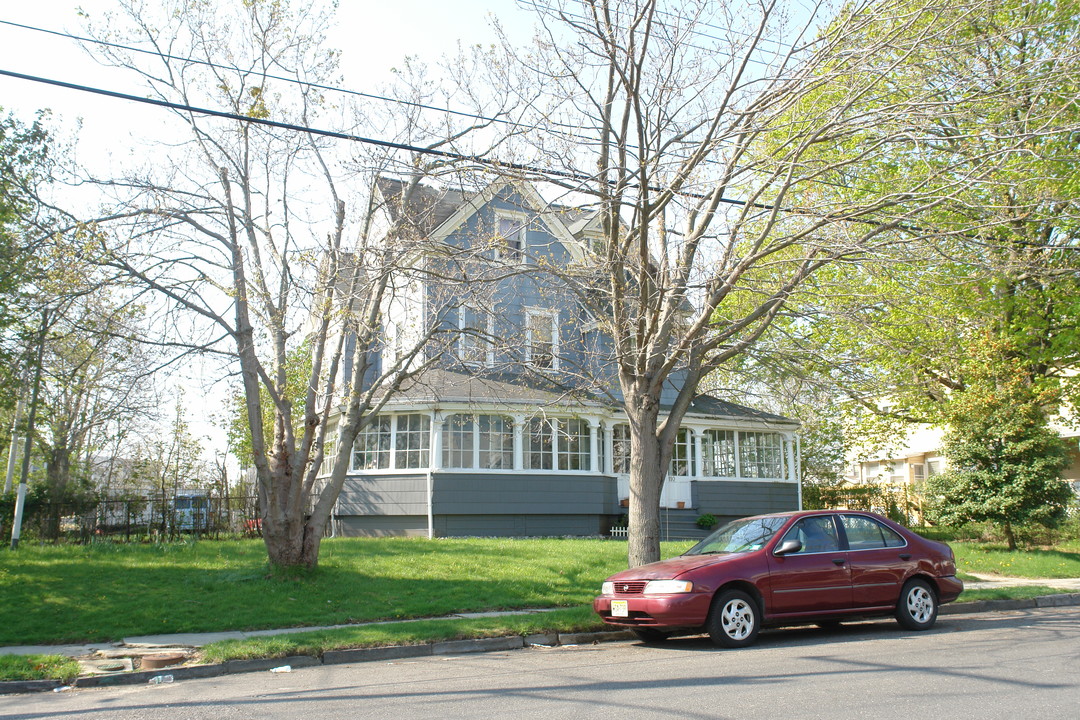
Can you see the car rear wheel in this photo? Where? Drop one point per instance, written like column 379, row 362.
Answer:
column 918, row 607
column 650, row 635
column 734, row 619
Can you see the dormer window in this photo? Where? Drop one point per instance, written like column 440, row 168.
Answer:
column 509, row 235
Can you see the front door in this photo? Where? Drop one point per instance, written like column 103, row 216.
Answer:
column 814, row 579
column 676, row 490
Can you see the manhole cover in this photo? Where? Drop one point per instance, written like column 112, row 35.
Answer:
column 160, row 660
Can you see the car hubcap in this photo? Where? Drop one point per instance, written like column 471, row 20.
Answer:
column 737, row 619
column 919, row 604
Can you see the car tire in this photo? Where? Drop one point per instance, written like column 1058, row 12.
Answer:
column 650, row 635
column 734, row 620
column 917, row 608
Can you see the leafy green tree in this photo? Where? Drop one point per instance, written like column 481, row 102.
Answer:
column 1005, row 462
column 898, row 333
column 24, row 158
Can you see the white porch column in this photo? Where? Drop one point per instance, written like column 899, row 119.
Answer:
column 609, row 448
column 698, row 469
column 519, row 442
column 594, row 444
column 436, row 440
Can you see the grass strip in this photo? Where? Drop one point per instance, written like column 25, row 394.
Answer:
column 418, row 632
column 1019, row 592
column 38, row 667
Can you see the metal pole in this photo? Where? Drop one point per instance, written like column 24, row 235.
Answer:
column 13, row 451
column 20, row 498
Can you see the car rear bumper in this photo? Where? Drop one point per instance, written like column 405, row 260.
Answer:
column 682, row 610
column 949, row 588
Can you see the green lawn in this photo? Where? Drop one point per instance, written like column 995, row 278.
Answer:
column 994, row 558
column 105, row 592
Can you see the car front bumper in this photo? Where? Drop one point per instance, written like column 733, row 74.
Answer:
column 681, row 610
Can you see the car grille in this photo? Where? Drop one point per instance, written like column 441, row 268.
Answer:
column 629, row 587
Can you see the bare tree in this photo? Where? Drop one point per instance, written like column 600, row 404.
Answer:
column 712, row 139
column 264, row 242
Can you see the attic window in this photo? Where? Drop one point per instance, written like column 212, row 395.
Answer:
column 510, row 235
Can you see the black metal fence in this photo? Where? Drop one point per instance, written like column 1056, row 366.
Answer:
column 157, row 517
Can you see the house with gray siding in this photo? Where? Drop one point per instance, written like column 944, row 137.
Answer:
column 517, row 428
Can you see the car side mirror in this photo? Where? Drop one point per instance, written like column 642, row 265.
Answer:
column 787, row 547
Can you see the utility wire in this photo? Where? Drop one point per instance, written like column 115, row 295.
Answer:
column 232, row 68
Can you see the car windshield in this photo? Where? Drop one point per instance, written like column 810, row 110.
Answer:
column 737, row 536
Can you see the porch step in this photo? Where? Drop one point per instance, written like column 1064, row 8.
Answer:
column 680, row 524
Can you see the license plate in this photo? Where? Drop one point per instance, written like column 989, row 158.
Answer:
column 619, row 609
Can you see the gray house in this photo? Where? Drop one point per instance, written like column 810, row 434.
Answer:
column 518, row 428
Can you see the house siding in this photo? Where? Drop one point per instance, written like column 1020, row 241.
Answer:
column 733, row 499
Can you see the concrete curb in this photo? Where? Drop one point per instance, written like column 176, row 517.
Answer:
column 450, row 647
column 330, row 657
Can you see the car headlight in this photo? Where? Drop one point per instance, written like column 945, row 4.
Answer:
column 608, row 588
column 668, row 587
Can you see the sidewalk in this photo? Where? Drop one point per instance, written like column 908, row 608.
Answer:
column 197, row 640
column 986, row 582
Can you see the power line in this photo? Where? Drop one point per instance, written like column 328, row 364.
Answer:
column 232, row 68
column 497, row 165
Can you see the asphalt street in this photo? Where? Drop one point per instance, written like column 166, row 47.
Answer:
column 989, row 665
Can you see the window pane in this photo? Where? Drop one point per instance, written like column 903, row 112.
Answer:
column 574, row 445
column 413, row 433
column 540, row 340
column 682, row 455
column 372, row 448
column 474, row 340
column 718, row 447
column 864, row 533
column 511, row 230
column 760, row 454
column 458, row 441
column 620, row 449
column 538, row 445
column 817, row 534
column 496, row 442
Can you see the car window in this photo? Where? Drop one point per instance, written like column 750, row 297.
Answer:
column 817, row 534
column 864, row 533
column 743, row 535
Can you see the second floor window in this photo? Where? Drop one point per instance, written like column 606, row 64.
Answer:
column 542, row 339
column 474, row 336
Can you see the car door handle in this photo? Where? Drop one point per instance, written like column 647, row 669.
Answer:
column 905, row 556
column 838, row 561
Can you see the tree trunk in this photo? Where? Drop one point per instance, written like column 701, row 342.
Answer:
column 1010, row 536
column 646, row 483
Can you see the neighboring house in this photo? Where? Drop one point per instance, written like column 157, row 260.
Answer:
column 918, row 455
column 518, row 428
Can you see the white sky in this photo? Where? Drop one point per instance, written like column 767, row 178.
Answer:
column 374, row 35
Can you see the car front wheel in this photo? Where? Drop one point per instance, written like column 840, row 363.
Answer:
column 917, row 608
column 734, row 619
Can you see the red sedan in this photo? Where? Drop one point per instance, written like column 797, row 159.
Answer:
column 818, row 566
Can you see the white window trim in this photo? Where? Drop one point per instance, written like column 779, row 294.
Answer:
column 486, row 342
column 553, row 317
column 523, row 223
